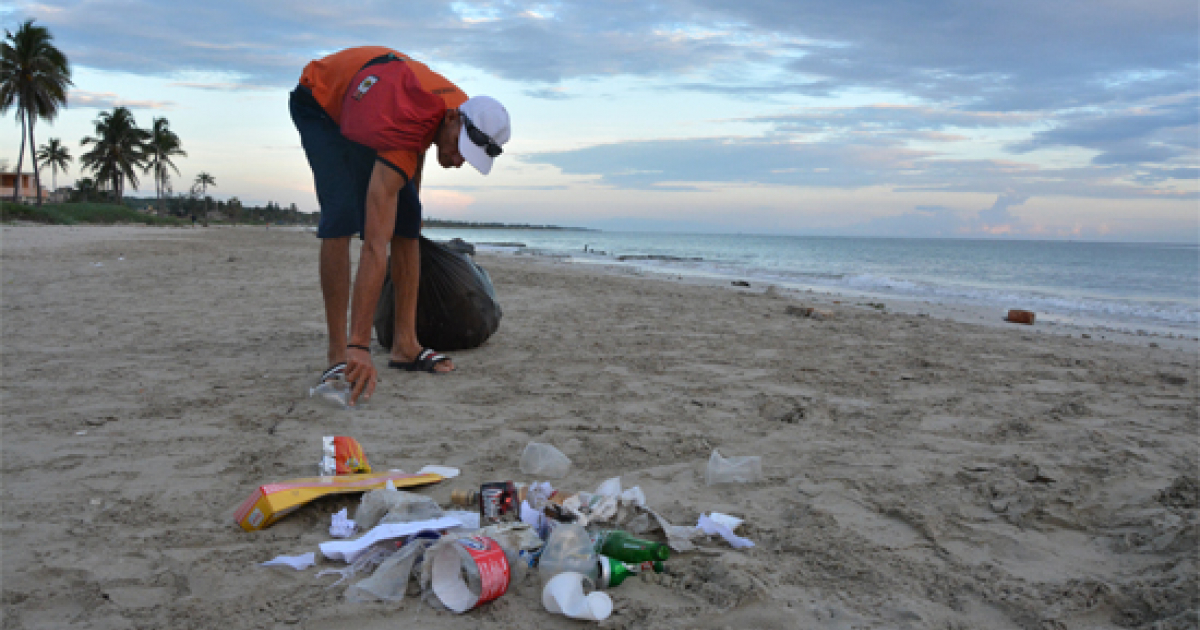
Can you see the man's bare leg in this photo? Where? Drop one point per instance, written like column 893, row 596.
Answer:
column 406, row 276
column 335, row 289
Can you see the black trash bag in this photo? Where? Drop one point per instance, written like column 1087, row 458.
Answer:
column 456, row 303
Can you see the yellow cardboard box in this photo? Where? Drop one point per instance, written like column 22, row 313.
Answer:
column 273, row 501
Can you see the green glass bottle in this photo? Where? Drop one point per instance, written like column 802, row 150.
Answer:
column 613, row 572
column 621, row 546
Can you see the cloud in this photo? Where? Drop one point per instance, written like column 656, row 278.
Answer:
column 1156, row 133
column 942, row 221
column 884, row 116
column 549, row 93
column 106, row 100
column 1024, row 55
column 855, row 162
column 998, row 216
column 1111, row 85
column 229, row 86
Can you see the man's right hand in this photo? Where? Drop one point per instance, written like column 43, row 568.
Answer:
column 361, row 374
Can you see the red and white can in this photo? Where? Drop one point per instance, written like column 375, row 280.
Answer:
column 479, row 555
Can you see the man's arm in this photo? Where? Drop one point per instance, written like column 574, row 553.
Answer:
column 378, row 227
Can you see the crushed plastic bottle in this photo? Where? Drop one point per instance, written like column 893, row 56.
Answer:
column 335, row 392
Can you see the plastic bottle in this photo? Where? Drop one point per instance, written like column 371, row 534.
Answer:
column 335, row 392
column 613, row 572
column 621, row 546
column 568, row 549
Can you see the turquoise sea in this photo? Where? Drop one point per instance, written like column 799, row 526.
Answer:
column 1130, row 286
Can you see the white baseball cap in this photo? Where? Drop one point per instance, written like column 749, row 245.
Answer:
column 485, row 129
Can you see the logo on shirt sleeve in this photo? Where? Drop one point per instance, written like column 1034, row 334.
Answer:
column 364, row 86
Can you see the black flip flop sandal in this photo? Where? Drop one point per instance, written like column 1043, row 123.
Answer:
column 427, row 361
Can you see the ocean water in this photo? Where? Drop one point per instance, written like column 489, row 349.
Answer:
column 1127, row 286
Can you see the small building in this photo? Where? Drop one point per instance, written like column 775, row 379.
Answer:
column 27, row 192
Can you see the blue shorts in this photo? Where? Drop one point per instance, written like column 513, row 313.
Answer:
column 342, row 171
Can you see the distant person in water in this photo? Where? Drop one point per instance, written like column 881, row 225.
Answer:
column 366, row 118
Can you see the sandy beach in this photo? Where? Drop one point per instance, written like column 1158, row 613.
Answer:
column 921, row 472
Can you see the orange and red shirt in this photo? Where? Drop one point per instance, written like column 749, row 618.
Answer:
column 384, row 100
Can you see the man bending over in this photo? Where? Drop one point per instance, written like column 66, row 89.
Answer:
column 366, row 117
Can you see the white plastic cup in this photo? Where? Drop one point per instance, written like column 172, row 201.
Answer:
column 563, row 595
column 544, row 460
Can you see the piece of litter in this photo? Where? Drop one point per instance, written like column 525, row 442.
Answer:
column 447, row 472
column 95, row 501
column 731, row 522
column 535, row 519
column 610, row 487
column 342, row 526
column 470, row 520
column 563, row 594
column 709, row 526
column 348, row 550
column 97, row 264
column 299, row 563
column 81, row 433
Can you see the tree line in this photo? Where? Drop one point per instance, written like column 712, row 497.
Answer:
column 34, row 76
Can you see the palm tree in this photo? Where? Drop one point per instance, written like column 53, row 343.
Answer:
column 56, row 156
column 164, row 145
column 203, row 181
column 34, row 76
column 119, row 149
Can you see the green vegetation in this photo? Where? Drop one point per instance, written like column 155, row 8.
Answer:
column 118, row 149
column 74, row 213
column 163, row 146
column 56, row 156
column 34, row 76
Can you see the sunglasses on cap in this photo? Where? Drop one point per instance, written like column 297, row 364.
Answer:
column 481, row 139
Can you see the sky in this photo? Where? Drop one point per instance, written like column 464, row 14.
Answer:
column 1035, row 119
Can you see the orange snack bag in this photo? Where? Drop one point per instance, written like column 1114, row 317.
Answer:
column 342, row 456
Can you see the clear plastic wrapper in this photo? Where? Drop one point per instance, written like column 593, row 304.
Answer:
column 363, row 563
column 390, row 581
column 385, row 506
column 733, row 469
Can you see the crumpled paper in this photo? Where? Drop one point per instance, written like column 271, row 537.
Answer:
column 342, row 526
column 348, row 550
